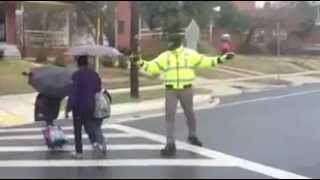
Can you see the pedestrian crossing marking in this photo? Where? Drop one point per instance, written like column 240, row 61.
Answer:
column 226, row 159
column 36, row 129
column 211, row 158
column 39, row 137
column 112, row 147
column 113, row 163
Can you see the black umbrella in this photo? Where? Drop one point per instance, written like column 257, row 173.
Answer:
column 51, row 80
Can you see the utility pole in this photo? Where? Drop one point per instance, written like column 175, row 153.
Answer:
column 98, row 35
column 215, row 10
column 210, row 29
column 134, row 69
column 278, row 48
column 278, row 39
column 22, row 30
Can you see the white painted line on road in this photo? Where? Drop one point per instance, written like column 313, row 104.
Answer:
column 36, row 129
column 217, row 104
column 112, row 147
column 114, row 163
column 269, row 98
column 221, row 157
column 35, row 137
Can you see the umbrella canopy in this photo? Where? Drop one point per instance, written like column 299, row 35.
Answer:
column 93, row 50
column 51, row 80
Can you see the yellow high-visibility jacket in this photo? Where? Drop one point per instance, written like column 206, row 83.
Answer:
column 178, row 66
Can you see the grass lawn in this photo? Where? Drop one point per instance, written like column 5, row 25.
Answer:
column 214, row 74
column 126, row 84
column 11, row 80
column 119, row 78
column 110, row 73
column 264, row 64
column 311, row 63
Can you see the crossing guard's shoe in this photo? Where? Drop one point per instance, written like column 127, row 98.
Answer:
column 194, row 141
column 169, row 150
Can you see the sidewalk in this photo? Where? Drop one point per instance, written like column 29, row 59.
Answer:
column 19, row 109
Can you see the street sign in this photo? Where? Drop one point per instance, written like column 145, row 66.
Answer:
column 192, row 35
column 282, row 34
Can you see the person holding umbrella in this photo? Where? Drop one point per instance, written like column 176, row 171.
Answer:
column 86, row 83
column 52, row 84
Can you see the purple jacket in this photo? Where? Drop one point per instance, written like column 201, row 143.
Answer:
column 85, row 84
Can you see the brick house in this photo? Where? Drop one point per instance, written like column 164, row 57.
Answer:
column 152, row 44
column 14, row 32
column 7, row 22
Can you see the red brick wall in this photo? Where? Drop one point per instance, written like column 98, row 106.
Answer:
column 245, row 6
column 11, row 27
column 123, row 13
column 313, row 38
column 152, row 46
column 53, row 52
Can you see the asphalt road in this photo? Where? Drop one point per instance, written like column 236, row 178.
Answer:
column 272, row 134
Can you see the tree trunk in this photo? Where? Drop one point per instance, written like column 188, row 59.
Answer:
column 247, row 44
column 248, row 39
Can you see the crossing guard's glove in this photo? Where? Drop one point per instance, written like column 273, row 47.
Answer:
column 226, row 56
column 137, row 60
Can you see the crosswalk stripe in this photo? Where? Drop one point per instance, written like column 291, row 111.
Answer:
column 224, row 158
column 70, row 136
column 111, row 147
column 114, row 163
column 37, row 129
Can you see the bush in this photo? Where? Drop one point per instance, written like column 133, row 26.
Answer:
column 205, row 47
column 107, row 62
column 253, row 49
column 1, row 54
column 123, row 62
column 61, row 60
column 42, row 56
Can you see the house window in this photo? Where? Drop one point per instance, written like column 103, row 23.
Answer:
column 120, row 27
column 318, row 17
column 2, row 26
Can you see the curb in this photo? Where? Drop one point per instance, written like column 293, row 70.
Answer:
column 119, row 111
column 153, row 105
